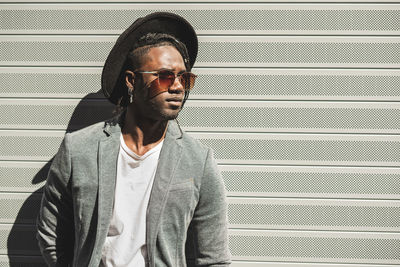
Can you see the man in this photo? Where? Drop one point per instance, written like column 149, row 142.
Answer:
column 137, row 190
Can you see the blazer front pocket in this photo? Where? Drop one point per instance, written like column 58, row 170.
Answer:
column 179, row 204
column 188, row 185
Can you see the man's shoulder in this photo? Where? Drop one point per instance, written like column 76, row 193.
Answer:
column 89, row 131
column 90, row 134
column 193, row 143
column 194, row 147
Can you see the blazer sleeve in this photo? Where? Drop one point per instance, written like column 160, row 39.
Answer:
column 55, row 224
column 209, row 223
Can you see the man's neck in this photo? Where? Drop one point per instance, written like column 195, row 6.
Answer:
column 141, row 134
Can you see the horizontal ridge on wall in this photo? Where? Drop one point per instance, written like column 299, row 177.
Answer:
column 264, row 245
column 343, row 52
column 19, row 208
column 188, row 2
column 17, row 176
column 223, row 116
column 37, row 261
column 253, row 181
column 314, row 214
column 290, row 116
column 23, row 261
column 216, row 83
column 258, row 213
column 290, row 181
column 206, row 19
column 298, row 264
column 287, row 149
column 378, row 248
column 303, row 149
column 54, row 114
column 11, row 236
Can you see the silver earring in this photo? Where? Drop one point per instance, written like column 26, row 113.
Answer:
column 130, row 93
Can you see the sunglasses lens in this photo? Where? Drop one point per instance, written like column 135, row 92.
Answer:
column 166, row 79
column 187, row 79
column 162, row 83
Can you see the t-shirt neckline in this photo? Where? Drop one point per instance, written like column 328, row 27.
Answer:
column 136, row 156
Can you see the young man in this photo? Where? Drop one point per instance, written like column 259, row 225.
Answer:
column 136, row 190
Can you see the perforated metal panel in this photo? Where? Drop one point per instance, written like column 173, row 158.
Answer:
column 298, row 264
column 50, row 82
column 284, row 84
column 314, row 182
column 214, row 83
column 304, row 149
column 260, row 213
column 236, row 148
column 19, row 208
column 29, row 145
column 300, row 103
column 22, row 176
column 53, row 114
column 18, row 239
column 343, row 215
column 299, row 52
column 272, row 245
column 315, row 247
column 73, row 51
column 185, row 1
column 260, row 181
column 215, row 51
column 37, row 261
column 206, row 18
column 21, row 261
column 291, row 117
column 215, row 116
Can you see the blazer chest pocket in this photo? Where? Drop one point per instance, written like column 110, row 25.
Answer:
column 188, row 185
column 180, row 198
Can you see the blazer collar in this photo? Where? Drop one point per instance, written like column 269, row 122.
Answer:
column 115, row 125
column 108, row 149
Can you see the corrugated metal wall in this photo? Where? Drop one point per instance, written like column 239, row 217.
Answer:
column 300, row 102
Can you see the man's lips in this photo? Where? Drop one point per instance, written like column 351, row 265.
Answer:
column 175, row 102
column 174, row 99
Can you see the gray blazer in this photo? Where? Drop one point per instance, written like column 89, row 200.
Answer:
column 186, row 217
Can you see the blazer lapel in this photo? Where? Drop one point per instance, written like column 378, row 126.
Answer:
column 107, row 163
column 169, row 158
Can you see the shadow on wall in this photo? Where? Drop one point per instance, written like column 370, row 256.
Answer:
column 22, row 240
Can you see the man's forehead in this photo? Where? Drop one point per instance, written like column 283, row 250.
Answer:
column 168, row 56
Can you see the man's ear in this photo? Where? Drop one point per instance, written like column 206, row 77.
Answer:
column 129, row 79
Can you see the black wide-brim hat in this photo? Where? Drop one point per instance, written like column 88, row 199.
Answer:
column 159, row 22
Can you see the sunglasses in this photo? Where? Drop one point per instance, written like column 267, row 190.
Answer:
column 166, row 78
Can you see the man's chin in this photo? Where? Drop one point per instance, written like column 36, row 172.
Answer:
column 165, row 116
column 170, row 116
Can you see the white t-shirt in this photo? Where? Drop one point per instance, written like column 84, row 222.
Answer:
column 125, row 243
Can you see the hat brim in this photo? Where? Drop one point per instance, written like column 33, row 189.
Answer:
column 159, row 22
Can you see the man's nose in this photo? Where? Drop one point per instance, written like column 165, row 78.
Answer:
column 177, row 86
